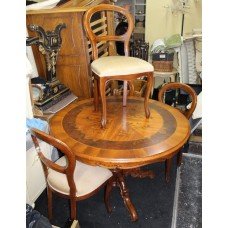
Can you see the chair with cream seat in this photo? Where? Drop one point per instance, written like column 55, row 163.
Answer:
column 112, row 67
column 67, row 177
column 187, row 112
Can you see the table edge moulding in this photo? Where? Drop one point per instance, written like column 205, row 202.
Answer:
column 148, row 153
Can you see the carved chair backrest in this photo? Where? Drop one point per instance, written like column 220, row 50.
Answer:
column 184, row 87
column 100, row 31
column 68, row 170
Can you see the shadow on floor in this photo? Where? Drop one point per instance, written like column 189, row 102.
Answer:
column 153, row 200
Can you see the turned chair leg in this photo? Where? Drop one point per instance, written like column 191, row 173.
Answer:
column 168, row 163
column 107, row 194
column 103, row 103
column 124, row 93
column 49, row 198
column 96, row 95
column 150, row 82
column 73, row 209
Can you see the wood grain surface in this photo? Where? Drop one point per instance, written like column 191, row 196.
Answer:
column 129, row 139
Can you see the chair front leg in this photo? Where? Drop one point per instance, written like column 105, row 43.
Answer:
column 73, row 209
column 49, row 198
column 125, row 94
column 150, row 82
column 96, row 94
column 107, row 193
column 102, row 85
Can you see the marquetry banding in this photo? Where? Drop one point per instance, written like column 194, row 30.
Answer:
column 133, row 128
column 129, row 139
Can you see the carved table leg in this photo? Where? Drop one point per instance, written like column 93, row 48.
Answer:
column 138, row 172
column 119, row 179
column 168, row 163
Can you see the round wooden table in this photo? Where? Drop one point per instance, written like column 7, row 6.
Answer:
column 129, row 139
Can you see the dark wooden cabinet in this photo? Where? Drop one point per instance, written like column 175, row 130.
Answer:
column 73, row 63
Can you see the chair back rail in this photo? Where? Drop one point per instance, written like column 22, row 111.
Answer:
column 188, row 113
column 47, row 163
column 100, row 32
column 186, row 88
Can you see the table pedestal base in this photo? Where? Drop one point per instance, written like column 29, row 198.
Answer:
column 138, row 172
column 118, row 180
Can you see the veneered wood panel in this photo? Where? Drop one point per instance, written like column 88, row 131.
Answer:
column 72, row 63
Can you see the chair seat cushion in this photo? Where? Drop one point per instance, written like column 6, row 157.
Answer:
column 87, row 178
column 120, row 65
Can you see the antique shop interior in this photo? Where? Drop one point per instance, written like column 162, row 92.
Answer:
column 114, row 113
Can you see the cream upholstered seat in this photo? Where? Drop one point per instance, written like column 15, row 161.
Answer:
column 67, row 177
column 87, row 178
column 106, row 65
column 120, row 65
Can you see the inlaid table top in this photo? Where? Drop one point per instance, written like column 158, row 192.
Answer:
column 129, row 139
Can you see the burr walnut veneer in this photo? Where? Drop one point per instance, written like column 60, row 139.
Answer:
column 128, row 141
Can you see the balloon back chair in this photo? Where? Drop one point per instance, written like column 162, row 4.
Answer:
column 106, row 65
column 177, row 88
column 67, row 177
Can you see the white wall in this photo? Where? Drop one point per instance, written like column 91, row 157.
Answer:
column 161, row 22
